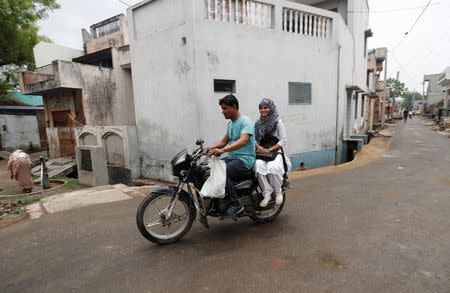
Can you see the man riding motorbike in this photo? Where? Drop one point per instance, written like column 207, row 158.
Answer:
column 239, row 142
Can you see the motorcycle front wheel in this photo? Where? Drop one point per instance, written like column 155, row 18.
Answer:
column 152, row 219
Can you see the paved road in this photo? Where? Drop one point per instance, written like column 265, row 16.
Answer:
column 383, row 227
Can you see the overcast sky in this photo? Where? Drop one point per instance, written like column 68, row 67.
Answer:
column 425, row 50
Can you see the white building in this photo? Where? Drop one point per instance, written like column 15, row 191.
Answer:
column 308, row 56
column 444, row 82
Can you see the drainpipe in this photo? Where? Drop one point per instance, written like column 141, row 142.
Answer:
column 383, row 108
column 336, row 157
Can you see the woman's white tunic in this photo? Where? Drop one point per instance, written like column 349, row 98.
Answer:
column 276, row 166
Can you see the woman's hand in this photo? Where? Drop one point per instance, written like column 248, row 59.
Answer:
column 261, row 150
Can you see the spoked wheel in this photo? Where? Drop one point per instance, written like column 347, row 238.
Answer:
column 152, row 218
column 270, row 214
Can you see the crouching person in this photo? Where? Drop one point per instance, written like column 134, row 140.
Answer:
column 19, row 167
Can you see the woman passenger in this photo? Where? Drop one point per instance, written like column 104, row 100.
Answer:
column 270, row 173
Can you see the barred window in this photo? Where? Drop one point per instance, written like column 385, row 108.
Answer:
column 299, row 93
column 107, row 29
column 224, row 86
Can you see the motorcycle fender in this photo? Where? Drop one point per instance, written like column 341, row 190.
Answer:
column 170, row 189
column 164, row 189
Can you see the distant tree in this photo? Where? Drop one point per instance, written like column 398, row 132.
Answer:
column 397, row 87
column 18, row 36
column 407, row 101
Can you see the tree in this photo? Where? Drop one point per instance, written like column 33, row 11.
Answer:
column 407, row 101
column 19, row 34
column 397, row 87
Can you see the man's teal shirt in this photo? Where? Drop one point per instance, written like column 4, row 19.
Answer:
column 234, row 129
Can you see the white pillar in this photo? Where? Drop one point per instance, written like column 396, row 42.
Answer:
column 225, row 10
column 296, row 21
column 247, row 11
column 328, row 28
column 252, row 14
column 300, row 23
column 217, row 9
column 264, row 15
column 269, row 16
column 285, row 19
column 211, row 9
column 291, row 21
column 238, row 11
column 314, row 21
column 231, row 13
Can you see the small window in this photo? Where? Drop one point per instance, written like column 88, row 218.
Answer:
column 299, row 93
column 224, row 86
column 362, row 106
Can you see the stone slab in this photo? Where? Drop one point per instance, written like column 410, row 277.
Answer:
column 82, row 198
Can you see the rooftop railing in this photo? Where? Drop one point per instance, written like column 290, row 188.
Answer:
column 305, row 23
column 246, row 12
column 260, row 14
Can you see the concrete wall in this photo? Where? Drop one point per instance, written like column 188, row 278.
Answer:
column 434, row 90
column 107, row 93
column 97, row 136
column 45, row 53
column 19, row 131
column 173, row 82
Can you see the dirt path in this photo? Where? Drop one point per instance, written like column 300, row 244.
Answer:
column 369, row 153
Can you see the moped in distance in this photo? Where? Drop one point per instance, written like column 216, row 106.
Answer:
column 167, row 213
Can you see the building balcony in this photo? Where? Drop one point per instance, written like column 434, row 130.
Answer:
column 58, row 77
column 287, row 16
column 38, row 81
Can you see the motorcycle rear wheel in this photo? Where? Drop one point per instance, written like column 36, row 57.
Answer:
column 152, row 224
column 269, row 215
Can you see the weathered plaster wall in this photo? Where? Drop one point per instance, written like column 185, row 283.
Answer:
column 173, row 81
column 434, row 90
column 53, row 142
column 20, row 131
column 107, row 93
column 45, row 53
column 123, row 109
column 95, row 136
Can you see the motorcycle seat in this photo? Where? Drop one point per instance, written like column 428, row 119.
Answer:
column 250, row 175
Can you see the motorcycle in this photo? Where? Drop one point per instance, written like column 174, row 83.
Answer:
column 167, row 213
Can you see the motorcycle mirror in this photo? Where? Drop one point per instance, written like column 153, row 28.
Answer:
column 199, row 142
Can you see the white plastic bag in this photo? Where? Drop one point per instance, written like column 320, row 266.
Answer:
column 215, row 184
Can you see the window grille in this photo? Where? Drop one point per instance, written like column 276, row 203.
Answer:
column 299, row 93
column 107, row 28
column 224, row 86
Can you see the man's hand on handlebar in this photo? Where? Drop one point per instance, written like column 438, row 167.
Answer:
column 215, row 152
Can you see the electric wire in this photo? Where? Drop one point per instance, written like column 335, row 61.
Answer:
column 406, row 34
column 123, row 2
column 390, row 10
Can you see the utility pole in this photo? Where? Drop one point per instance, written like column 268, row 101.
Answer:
column 383, row 104
column 395, row 95
column 413, row 99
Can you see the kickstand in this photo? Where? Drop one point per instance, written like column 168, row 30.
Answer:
column 203, row 220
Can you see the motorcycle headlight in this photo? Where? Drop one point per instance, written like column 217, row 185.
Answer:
column 181, row 159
